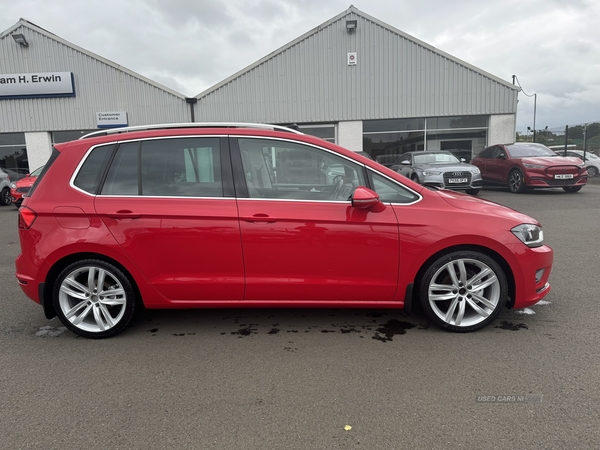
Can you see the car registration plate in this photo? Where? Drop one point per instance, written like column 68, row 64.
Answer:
column 563, row 176
column 457, row 180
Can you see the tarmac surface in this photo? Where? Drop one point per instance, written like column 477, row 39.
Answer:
column 317, row 379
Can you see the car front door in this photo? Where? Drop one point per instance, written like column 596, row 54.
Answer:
column 170, row 207
column 302, row 239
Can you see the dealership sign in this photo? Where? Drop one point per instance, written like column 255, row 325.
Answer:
column 34, row 85
column 111, row 119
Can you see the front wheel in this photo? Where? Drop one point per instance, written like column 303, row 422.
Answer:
column 415, row 178
column 572, row 189
column 5, row 198
column 463, row 291
column 94, row 299
column 516, row 182
column 592, row 171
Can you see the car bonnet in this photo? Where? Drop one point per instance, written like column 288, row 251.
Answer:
column 487, row 207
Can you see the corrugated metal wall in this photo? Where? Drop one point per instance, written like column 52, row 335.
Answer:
column 395, row 77
column 99, row 87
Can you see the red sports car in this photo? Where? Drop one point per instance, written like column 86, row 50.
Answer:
column 528, row 165
column 210, row 216
column 22, row 187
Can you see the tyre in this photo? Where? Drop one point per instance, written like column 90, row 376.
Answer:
column 93, row 298
column 516, row 181
column 415, row 178
column 572, row 189
column 472, row 191
column 463, row 291
column 5, row 198
column 18, row 204
column 592, row 171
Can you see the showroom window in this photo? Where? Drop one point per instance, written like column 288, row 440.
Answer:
column 324, row 131
column 66, row 136
column 385, row 140
column 13, row 154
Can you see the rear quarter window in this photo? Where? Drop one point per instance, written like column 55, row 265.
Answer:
column 90, row 174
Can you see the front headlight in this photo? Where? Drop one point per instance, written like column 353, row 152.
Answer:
column 13, row 186
column 475, row 171
column 431, row 172
column 533, row 166
column 530, row 235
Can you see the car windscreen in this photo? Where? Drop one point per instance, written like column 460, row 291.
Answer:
column 524, row 151
column 435, row 158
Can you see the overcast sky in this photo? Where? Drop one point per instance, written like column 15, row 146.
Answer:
column 553, row 46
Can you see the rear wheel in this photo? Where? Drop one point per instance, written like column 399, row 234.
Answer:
column 463, row 291
column 94, row 299
column 572, row 189
column 5, row 198
column 516, row 181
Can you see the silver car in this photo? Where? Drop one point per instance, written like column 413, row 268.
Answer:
column 5, row 198
column 440, row 169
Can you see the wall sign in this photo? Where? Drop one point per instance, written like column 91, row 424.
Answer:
column 111, row 119
column 352, row 59
column 37, row 85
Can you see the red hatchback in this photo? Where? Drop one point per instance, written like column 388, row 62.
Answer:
column 207, row 216
column 21, row 188
column 528, row 165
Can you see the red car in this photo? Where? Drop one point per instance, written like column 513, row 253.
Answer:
column 192, row 216
column 23, row 186
column 526, row 165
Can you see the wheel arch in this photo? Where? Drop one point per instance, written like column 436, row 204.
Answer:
column 510, row 278
column 59, row 266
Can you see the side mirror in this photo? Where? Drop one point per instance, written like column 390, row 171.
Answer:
column 406, row 162
column 364, row 198
column 463, row 160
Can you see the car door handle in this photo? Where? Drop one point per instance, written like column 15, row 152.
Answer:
column 124, row 214
column 259, row 218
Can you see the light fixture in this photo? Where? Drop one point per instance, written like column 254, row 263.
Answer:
column 351, row 26
column 20, row 39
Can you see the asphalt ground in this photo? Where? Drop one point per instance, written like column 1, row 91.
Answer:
column 317, row 379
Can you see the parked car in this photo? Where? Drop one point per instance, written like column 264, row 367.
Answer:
column 21, row 188
column 4, row 188
column 592, row 161
column 526, row 165
column 191, row 216
column 440, row 169
column 16, row 174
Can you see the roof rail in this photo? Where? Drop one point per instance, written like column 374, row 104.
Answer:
column 166, row 126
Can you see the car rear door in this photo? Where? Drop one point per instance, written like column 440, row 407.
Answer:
column 170, row 205
column 303, row 240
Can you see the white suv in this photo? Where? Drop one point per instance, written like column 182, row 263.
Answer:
column 5, row 198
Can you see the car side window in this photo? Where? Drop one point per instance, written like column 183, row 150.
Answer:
column 277, row 169
column 391, row 192
column 90, row 174
column 181, row 167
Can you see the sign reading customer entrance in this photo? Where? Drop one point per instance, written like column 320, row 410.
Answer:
column 36, row 85
column 111, row 119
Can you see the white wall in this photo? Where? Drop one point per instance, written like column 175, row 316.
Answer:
column 39, row 148
column 502, row 129
column 350, row 135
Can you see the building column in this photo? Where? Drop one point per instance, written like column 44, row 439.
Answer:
column 350, row 135
column 502, row 129
column 39, row 148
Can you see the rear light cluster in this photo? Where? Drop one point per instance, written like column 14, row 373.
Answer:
column 26, row 217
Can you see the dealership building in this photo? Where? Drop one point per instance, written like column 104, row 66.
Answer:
column 353, row 80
